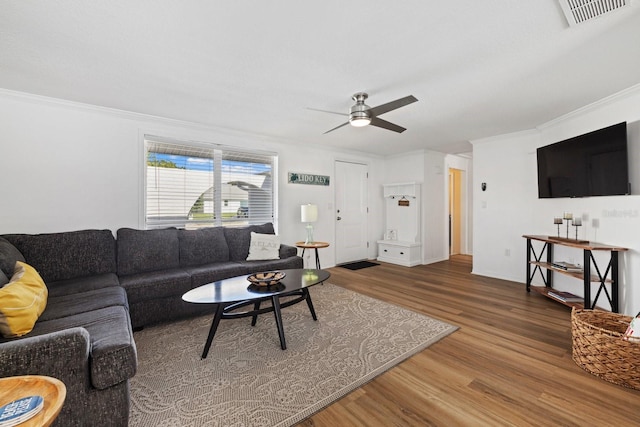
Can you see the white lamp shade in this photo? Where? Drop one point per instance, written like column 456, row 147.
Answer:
column 309, row 213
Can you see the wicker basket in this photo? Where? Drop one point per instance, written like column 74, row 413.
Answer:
column 598, row 347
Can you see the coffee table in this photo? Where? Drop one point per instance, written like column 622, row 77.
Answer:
column 236, row 292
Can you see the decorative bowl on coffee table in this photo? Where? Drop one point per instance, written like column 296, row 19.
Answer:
column 267, row 278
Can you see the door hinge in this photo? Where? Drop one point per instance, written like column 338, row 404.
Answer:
column 367, row 244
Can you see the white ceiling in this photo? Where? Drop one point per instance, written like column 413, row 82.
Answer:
column 478, row 68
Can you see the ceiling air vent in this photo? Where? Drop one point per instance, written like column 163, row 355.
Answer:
column 577, row 11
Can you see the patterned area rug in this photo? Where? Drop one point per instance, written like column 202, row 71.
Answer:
column 247, row 380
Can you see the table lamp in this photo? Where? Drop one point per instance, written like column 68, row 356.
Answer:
column 309, row 214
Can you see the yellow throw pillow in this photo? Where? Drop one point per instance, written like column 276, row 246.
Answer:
column 22, row 301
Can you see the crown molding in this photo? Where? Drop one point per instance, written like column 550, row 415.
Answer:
column 616, row 97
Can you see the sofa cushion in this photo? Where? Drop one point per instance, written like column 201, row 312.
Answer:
column 113, row 356
column 239, row 239
column 156, row 284
column 9, row 254
column 82, row 302
column 82, row 284
column 203, row 246
column 22, row 301
column 250, row 267
column 287, row 251
column 140, row 251
column 263, row 247
column 208, row 273
column 61, row 256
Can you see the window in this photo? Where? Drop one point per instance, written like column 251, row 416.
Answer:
column 195, row 185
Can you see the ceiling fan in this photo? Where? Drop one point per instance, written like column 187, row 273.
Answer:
column 361, row 114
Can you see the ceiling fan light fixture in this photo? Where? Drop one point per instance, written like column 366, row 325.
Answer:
column 359, row 121
column 359, row 115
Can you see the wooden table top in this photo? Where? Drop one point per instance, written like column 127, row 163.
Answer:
column 312, row 245
column 592, row 246
column 52, row 390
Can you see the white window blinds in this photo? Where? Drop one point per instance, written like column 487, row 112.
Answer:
column 193, row 185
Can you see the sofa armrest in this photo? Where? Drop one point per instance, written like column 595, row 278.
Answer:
column 63, row 355
column 287, row 251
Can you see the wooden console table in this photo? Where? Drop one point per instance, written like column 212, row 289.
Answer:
column 588, row 275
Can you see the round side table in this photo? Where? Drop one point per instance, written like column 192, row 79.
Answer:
column 52, row 390
column 313, row 245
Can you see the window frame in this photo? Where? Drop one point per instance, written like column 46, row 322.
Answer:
column 219, row 154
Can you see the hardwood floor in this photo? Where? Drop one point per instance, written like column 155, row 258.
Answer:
column 509, row 364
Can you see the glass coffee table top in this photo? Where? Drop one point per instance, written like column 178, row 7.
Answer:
column 239, row 289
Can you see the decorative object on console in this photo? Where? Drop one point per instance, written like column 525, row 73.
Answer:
column 564, row 296
column 558, row 221
column 309, row 214
column 576, row 222
column 568, row 216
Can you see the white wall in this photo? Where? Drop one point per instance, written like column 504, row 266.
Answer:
column 435, row 201
column 510, row 206
column 67, row 166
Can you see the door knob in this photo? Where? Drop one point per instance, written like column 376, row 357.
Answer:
column 339, row 218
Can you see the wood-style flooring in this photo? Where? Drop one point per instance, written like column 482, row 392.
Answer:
column 509, row 364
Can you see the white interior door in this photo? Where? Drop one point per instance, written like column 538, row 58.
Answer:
column 351, row 212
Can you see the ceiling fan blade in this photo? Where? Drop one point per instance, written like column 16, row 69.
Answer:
column 385, row 108
column 325, row 111
column 337, row 127
column 377, row 121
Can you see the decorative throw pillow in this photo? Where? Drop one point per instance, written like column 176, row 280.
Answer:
column 22, row 301
column 264, row 247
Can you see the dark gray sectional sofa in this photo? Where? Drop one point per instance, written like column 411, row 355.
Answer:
column 100, row 289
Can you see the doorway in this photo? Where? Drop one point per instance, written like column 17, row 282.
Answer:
column 351, row 212
column 456, row 177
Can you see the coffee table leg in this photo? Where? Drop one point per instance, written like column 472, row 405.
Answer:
column 214, row 328
column 307, row 296
column 276, row 311
column 256, row 307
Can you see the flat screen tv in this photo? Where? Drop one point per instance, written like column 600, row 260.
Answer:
column 593, row 164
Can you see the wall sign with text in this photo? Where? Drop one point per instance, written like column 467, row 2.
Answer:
column 305, row 178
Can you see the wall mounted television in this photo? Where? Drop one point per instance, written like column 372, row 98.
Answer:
column 593, row 164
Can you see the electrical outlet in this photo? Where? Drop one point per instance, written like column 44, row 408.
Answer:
column 507, row 252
